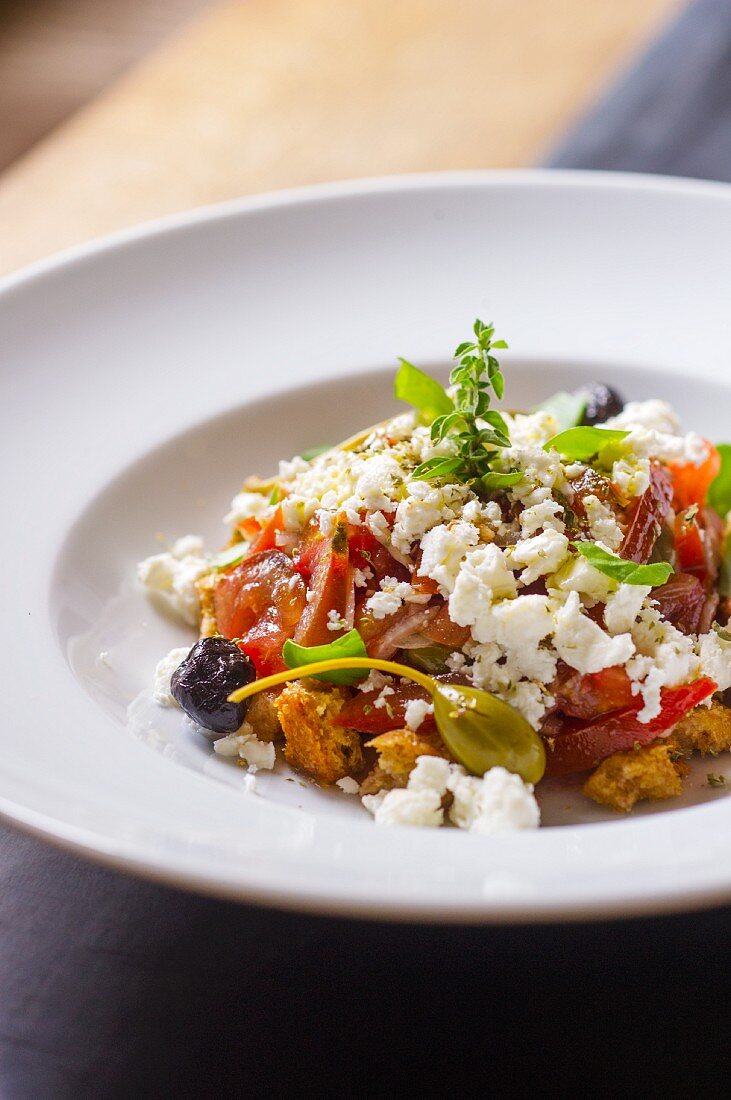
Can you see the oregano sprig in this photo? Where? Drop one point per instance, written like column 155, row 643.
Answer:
column 477, row 430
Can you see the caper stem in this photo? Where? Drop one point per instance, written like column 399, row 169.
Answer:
column 335, row 664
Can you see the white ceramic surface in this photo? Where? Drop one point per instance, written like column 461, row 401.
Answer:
column 144, row 376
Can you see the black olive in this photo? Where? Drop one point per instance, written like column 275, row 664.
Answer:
column 601, row 402
column 201, row 685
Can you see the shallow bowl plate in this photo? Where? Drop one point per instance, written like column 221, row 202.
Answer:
column 143, row 377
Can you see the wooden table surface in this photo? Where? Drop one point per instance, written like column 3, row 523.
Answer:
column 265, row 94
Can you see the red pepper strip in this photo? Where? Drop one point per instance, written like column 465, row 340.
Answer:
column 646, row 517
column 582, row 745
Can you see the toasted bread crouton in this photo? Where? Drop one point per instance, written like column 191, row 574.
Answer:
column 206, row 586
column 313, row 743
column 263, row 716
column 655, row 771
column 397, row 754
column 707, row 729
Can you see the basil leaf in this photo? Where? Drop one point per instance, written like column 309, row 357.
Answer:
column 719, row 494
column 436, row 467
column 313, row 452
column 232, row 555
column 626, row 572
column 424, row 393
column 348, row 645
column 581, row 444
column 567, row 408
column 494, row 480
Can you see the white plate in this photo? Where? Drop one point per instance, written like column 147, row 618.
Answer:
column 143, row 377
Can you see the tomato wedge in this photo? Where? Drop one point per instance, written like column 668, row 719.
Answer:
column 646, row 517
column 267, row 537
column 588, row 696
column 368, row 553
column 691, row 483
column 259, row 603
column 331, row 589
column 360, row 713
column 689, row 544
column 578, row 746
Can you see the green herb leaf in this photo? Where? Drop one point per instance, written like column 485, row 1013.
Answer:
column 626, row 572
column 435, row 467
column 716, row 780
column 348, row 645
column 567, row 408
column 581, row 444
column 719, row 494
column 232, row 555
column 313, row 452
column 421, row 391
column 274, row 495
column 494, row 480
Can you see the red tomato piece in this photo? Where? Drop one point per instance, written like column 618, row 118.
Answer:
column 331, row 589
column 588, row 696
column 691, row 483
column 646, row 517
column 681, row 601
column 360, row 712
column 442, row 631
column 368, row 553
column 689, row 544
column 578, row 746
column 259, row 603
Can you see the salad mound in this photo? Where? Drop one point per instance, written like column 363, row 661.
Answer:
column 452, row 604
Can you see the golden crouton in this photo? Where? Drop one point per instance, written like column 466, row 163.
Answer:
column 206, row 586
column 313, row 743
column 655, row 771
column 707, row 729
column 263, row 716
column 397, row 754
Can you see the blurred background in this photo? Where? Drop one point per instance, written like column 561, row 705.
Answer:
column 115, row 111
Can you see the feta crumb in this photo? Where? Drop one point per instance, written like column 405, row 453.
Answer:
column 392, row 595
column 500, row 802
column 382, row 702
column 443, row 549
column 603, row 526
column 361, row 577
column 432, row 773
column 405, row 807
column 582, row 643
column 623, row 607
column 248, row 747
column 164, row 670
column 348, row 785
column 335, row 621
column 483, row 577
column 246, row 506
column 173, row 575
column 665, row 658
column 715, row 655
column 416, row 711
column 539, row 555
column 654, row 415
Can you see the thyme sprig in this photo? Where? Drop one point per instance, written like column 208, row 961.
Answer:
column 477, row 430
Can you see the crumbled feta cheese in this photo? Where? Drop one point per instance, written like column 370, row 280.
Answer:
column 173, row 575
column 582, row 643
column 374, row 681
column 248, row 747
column 715, row 655
column 416, row 711
column 164, row 670
column 425, row 506
column 623, row 607
column 665, row 658
column 482, row 578
column 603, row 526
column 443, row 549
column 531, row 700
column 405, row 807
column 531, row 429
column 631, row 475
column 543, row 515
column 361, row 577
column 518, row 627
column 335, row 621
column 247, row 506
column 539, row 555
column 432, row 773
column 578, row 575
column 500, row 802
column 655, row 415
column 382, row 702
column 348, row 785
column 392, row 595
